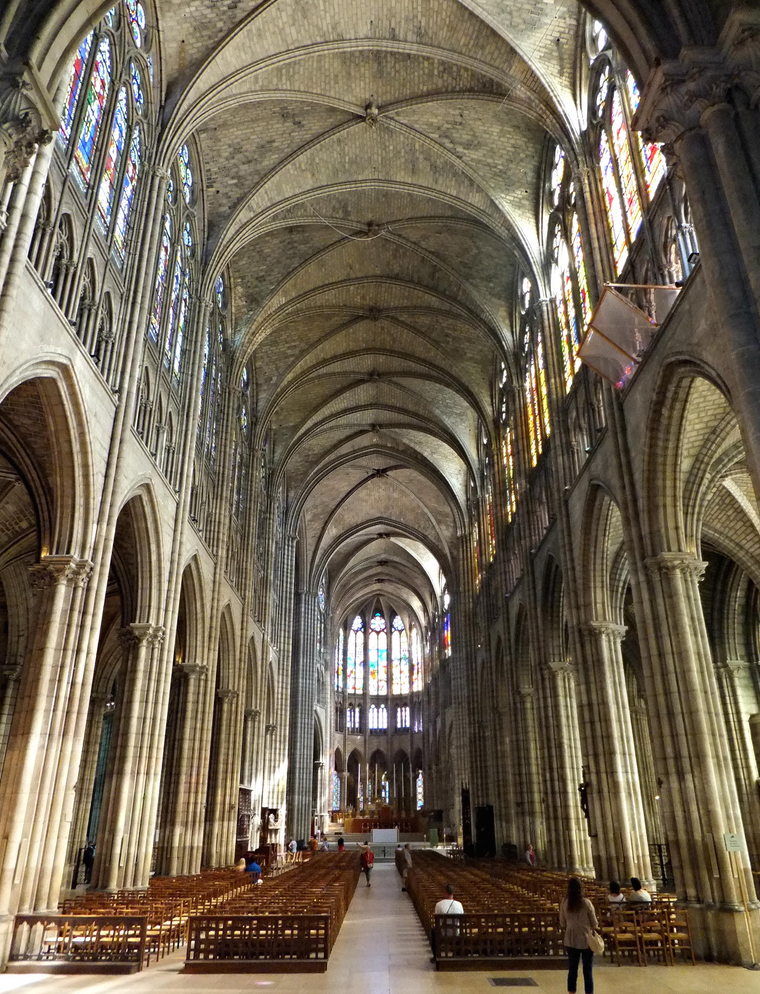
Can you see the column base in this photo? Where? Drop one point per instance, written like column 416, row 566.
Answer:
column 720, row 934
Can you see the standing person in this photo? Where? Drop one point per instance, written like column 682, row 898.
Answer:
column 88, row 859
column 407, row 852
column 341, row 843
column 578, row 918
column 368, row 859
column 292, row 847
column 530, row 856
column 639, row 895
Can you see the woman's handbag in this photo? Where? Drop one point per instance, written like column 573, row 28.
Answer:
column 595, row 942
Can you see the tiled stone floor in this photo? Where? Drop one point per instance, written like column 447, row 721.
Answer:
column 382, row 950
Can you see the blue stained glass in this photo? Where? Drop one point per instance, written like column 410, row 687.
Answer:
column 129, row 185
column 150, row 67
column 181, row 321
column 107, row 190
column 137, row 88
column 110, row 17
column 170, row 191
column 187, row 236
column 97, row 93
column 220, row 293
column 136, row 15
column 163, row 265
column 185, row 173
column 75, row 87
column 173, row 306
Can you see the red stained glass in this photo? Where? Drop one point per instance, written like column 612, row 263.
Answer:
column 107, row 189
column 97, row 94
column 163, row 265
column 75, row 87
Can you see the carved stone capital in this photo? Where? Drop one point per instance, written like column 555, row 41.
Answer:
column 269, row 729
column 226, row 694
column 139, row 633
column 191, row 670
column 604, row 631
column 559, row 667
column 51, row 570
column 252, row 713
column 676, row 564
column 740, row 44
column 678, row 93
column 731, row 667
column 21, row 124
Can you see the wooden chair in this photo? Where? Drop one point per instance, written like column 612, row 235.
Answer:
column 625, row 937
column 678, row 932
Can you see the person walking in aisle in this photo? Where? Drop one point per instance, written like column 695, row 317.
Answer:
column 407, row 865
column 368, row 860
column 578, row 918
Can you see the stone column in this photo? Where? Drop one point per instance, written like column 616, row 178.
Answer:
column 250, row 718
column 699, row 793
column 563, row 770
column 28, row 785
column 302, row 700
column 740, row 748
column 530, row 820
column 12, row 676
column 222, row 803
column 117, row 848
column 621, row 849
column 184, row 851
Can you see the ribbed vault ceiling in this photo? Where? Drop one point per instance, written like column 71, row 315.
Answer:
column 371, row 176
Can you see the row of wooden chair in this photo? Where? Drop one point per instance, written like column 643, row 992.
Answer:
column 647, row 934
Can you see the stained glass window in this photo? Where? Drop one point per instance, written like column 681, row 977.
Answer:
column 378, row 655
column 622, row 150
column 360, row 794
column 128, row 187
column 570, row 332
column 204, row 376
column 181, row 324
column 490, row 523
column 399, row 657
column 339, row 661
column 420, row 787
column 373, row 718
column 447, row 634
column 136, row 16
column 174, row 301
column 557, row 176
column 402, row 717
column 97, row 94
column 185, row 173
column 161, row 272
column 75, row 87
column 220, row 293
column 613, row 203
column 477, row 573
column 107, row 190
column 335, row 791
column 651, row 153
column 416, row 661
column 355, row 658
column 138, row 94
column 385, row 789
column 508, row 461
column 580, row 267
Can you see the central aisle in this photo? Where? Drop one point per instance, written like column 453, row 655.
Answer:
column 382, row 945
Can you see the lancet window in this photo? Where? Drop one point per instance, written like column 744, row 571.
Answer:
column 339, row 660
column 105, row 120
column 567, row 265
column 534, row 379
column 378, row 655
column 402, row 717
column 631, row 170
column 399, row 657
column 446, row 624
column 378, row 718
column 506, row 424
column 416, row 660
column 355, row 658
column 420, row 791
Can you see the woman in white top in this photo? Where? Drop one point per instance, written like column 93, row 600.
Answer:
column 578, row 918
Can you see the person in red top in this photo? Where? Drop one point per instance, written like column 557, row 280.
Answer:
column 368, row 859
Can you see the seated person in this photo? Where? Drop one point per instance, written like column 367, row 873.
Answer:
column 639, row 895
column 292, row 847
column 240, row 865
column 253, row 867
column 615, row 896
column 446, row 906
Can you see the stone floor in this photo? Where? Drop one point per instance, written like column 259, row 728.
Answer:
column 382, row 950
